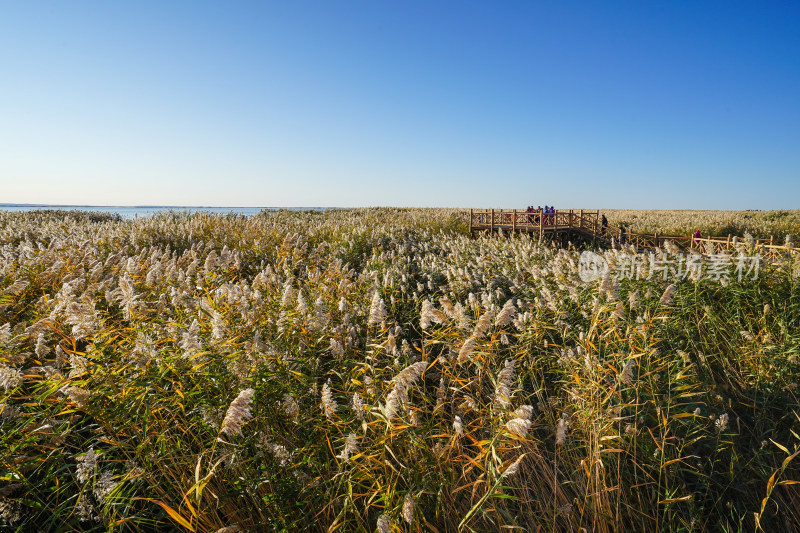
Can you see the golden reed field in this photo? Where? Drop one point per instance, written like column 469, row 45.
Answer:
column 379, row 370
column 759, row 224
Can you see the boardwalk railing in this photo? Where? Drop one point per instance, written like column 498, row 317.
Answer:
column 587, row 224
column 515, row 220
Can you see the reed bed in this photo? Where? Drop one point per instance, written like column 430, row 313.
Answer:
column 377, row 369
column 778, row 224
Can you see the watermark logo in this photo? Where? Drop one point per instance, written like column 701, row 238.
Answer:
column 696, row 267
column 592, row 266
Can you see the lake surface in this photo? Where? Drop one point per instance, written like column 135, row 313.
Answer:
column 130, row 212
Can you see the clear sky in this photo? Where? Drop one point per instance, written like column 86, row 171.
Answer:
column 640, row 104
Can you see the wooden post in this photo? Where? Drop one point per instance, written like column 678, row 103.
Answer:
column 470, row 222
column 580, row 222
column 541, row 217
column 570, row 219
column 770, row 239
column 491, row 222
column 514, row 222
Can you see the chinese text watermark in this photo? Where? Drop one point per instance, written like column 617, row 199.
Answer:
column 696, row 267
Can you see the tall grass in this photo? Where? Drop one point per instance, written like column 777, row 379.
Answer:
column 760, row 224
column 378, row 369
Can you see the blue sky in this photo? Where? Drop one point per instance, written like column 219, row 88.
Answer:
column 684, row 105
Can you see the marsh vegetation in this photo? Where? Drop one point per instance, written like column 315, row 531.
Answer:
column 379, row 369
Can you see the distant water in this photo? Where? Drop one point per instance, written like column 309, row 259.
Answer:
column 148, row 210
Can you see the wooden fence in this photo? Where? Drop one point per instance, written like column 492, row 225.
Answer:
column 588, row 225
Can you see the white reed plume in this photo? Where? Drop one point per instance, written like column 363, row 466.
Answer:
column 78, row 366
column 302, row 307
column 328, row 403
column 484, row 323
column 5, row 333
column 290, row 405
column 127, row 297
column 462, row 320
column 722, row 422
column 349, row 447
column 238, row 413
column 383, row 524
column 633, row 300
column 86, row 466
column 447, row 307
column 211, row 262
column 143, row 350
column 408, row 376
column 337, row 350
column 669, row 294
column 16, row 288
column 377, row 310
column 513, row 468
column 506, row 315
column 518, row 427
column 502, row 392
column 466, row 350
column 626, row 376
column 398, row 396
column 561, row 430
column 218, row 326
column 429, row 315
column 618, row 313
column 391, row 345
column 190, row 342
column 472, row 300
column 458, row 426
column 280, row 453
column 610, row 287
column 104, row 485
column 408, row 508
column 321, row 316
column 392, row 405
column 358, row 406
column 525, row 412
column 10, row 378
column 288, row 293
column 83, row 318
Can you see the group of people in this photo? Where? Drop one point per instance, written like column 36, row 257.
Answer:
column 548, row 209
column 547, row 214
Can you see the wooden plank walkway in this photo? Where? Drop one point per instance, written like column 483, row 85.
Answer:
column 586, row 224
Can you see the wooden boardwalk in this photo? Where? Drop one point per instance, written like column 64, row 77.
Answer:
column 583, row 224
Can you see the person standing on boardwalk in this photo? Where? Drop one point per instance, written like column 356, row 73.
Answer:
column 604, row 224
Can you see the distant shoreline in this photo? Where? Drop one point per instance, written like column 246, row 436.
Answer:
column 144, row 211
column 156, row 206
